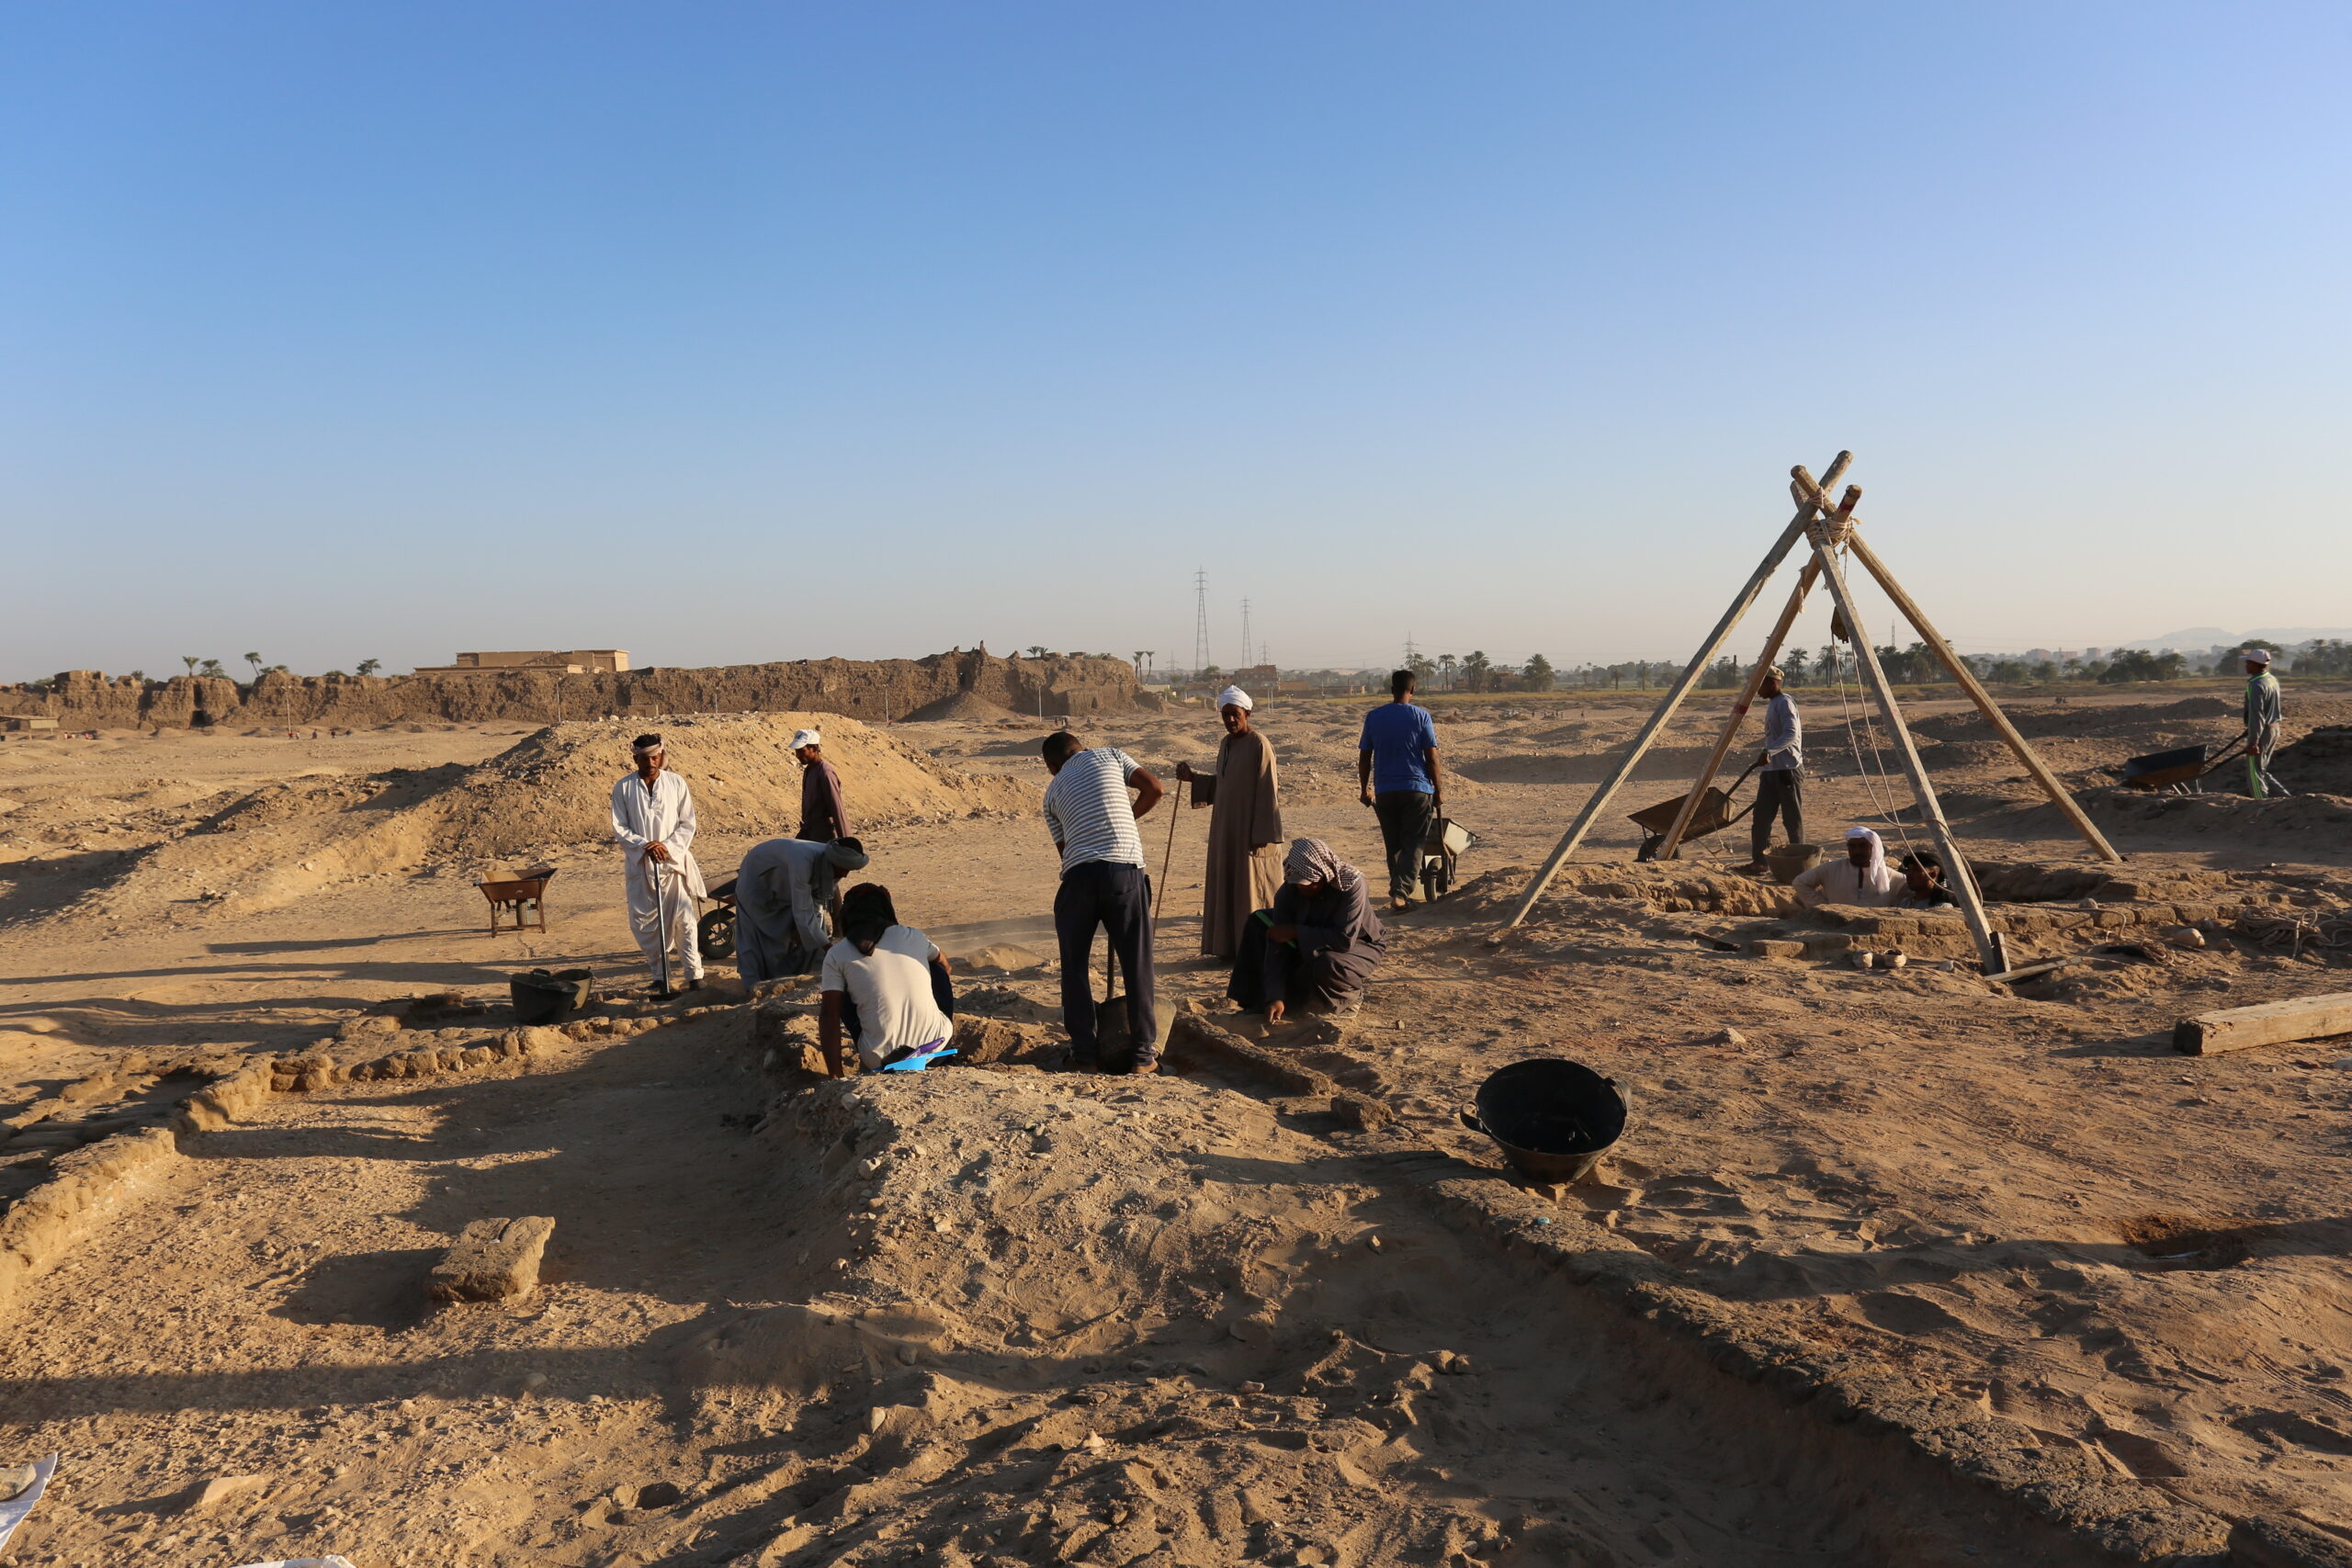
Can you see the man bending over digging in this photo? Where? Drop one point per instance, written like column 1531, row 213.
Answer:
column 886, row 986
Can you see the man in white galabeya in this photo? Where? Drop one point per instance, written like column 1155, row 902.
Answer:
column 653, row 819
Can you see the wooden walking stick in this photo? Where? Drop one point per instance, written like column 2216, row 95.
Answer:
column 1159, row 894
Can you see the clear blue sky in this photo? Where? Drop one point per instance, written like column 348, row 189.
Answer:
column 735, row 332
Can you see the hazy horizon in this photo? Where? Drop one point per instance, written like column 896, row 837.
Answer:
column 729, row 333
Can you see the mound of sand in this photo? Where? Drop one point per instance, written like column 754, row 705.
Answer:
column 272, row 846
column 2321, row 761
column 966, row 709
column 556, row 785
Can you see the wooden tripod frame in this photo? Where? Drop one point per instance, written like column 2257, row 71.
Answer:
column 1829, row 528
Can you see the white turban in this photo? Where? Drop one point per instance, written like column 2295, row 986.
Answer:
column 1874, row 875
column 1235, row 698
column 806, row 737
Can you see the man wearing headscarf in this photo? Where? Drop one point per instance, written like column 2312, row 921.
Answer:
column 782, row 893
column 824, row 817
column 2262, row 713
column 1245, row 827
column 1317, row 946
column 1860, row 879
column 653, row 820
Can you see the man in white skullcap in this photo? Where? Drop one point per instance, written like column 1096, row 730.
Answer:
column 1245, row 869
column 824, row 817
column 653, row 819
column 1780, row 787
column 1860, row 879
column 2262, row 713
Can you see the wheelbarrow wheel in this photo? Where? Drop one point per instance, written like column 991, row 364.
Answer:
column 715, row 934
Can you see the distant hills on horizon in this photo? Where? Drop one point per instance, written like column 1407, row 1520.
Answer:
column 2197, row 639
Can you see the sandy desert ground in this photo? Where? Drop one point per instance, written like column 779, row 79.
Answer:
column 1012, row 1317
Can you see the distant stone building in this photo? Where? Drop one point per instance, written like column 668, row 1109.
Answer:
column 578, row 662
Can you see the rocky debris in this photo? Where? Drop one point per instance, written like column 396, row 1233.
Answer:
column 492, row 1260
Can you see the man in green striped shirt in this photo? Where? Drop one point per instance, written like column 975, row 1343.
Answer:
column 2262, row 714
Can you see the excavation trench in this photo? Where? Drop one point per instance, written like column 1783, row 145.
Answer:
column 959, row 1317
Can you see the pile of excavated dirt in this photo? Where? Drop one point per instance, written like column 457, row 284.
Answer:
column 2321, row 761
column 966, row 709
column 556, row 787
column 289, row 839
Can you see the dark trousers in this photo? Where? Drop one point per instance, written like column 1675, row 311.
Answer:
column 1271, row 971
column 1117, row 898
column 1405, row 816
column 1779, row 793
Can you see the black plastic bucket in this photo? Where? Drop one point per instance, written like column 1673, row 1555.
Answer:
column 543, row 997
column 1551, row 1118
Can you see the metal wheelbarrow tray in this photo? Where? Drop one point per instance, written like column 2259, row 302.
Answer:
column 522, row 895
column 1715, row 814
column 2183, row 764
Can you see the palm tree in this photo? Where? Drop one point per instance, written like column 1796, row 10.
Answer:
column 212, row 670
column 1037, row 650
column 1474, row 671
column 369, row 666
column 254, row 659
column 1447, row 664
column 190, row 661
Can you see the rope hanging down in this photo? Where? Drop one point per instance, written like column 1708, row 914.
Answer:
column 1880, row 789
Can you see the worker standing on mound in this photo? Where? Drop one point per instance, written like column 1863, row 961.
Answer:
column 1104, row 884
column 1245, row 828
column 1780, row 788
column 1397, row 776
column 653, row 818
column 824, row 817
column 2262, row 713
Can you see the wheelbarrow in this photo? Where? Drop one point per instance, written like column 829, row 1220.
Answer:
column 2179, row 769
column 1715, row 814
column 1442, row 851
column 521, row 895
column 715, row 932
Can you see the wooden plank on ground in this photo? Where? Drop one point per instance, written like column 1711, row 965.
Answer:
column 2272, row 1023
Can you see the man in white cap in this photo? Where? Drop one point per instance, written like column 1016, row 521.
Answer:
column 1780, row 787
column 824, row 817
column 1245, row 867
column 653, row 819
column 1860, row 879
column 2262, row 713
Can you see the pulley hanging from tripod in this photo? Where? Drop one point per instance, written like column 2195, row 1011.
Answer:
column 1837, row 627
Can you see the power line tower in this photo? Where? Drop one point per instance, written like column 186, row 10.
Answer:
column 1245, row 633
column 1200, row 622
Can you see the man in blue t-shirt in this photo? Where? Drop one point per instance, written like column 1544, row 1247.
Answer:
column 1397, row 775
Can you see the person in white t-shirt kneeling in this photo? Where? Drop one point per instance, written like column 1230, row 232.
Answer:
column 884, row 985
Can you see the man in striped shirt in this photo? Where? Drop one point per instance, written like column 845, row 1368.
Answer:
column 1104, row 884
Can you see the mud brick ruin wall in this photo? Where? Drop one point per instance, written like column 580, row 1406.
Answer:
column 873, row 690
